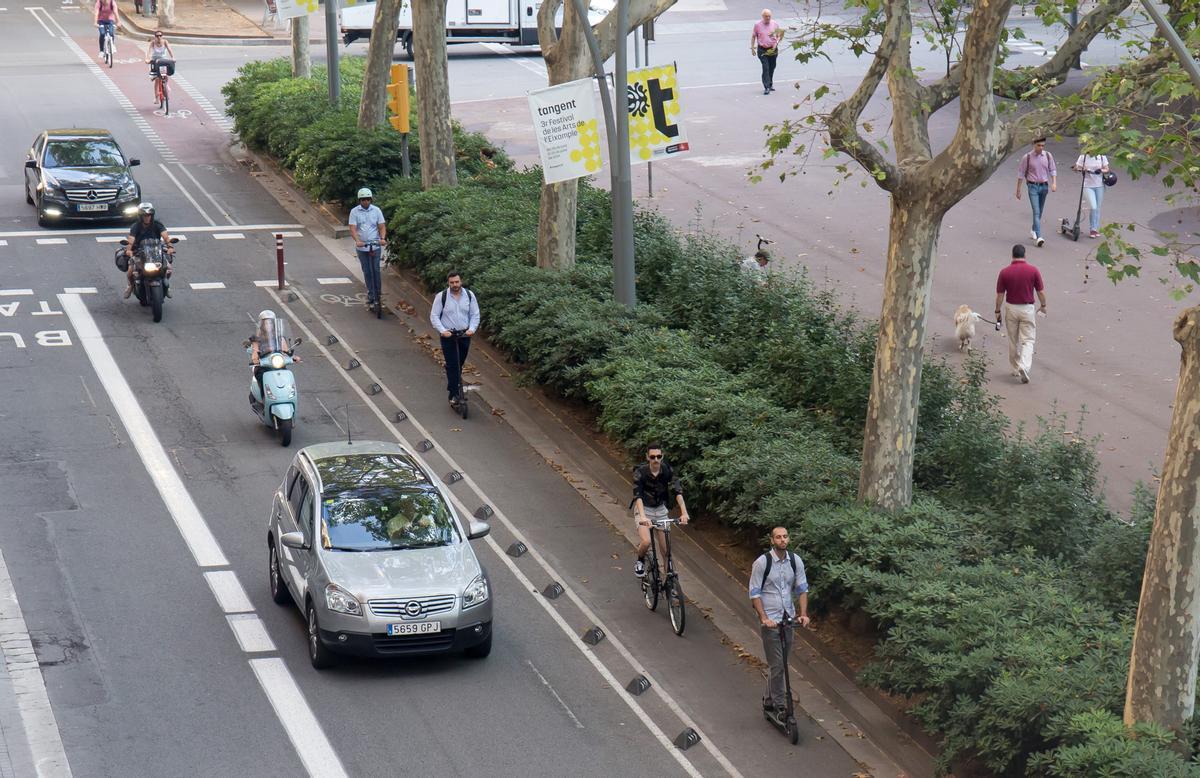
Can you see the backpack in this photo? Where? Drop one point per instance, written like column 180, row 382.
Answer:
column 470, row 298
column 771, row 559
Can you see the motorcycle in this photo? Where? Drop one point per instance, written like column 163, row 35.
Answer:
column 152, row 268
column 273, row 395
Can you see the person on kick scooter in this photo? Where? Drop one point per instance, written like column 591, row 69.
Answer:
column 367, row 226
column 455, row 310
column 777, row 580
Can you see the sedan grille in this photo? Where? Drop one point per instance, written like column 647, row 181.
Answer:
column 91, row 195
column 414, row 644
column 412, row 607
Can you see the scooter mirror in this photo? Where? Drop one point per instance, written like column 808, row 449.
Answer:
column 124, row 242
column 297, row 342
column 174, row 240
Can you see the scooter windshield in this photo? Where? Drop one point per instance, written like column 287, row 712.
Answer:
column 271, row 335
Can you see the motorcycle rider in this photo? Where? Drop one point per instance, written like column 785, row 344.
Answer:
column 268, row 338
column 146, row 227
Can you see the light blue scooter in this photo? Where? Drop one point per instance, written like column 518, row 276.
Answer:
column 279, row 385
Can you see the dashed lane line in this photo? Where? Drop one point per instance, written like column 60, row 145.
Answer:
column 15, row 292
column 208, row 285
column 121, row 231
column 205, row 104
column 333, row 281
column 188, row 195
column 51, row 241
column 228, row 236
column 80, row 290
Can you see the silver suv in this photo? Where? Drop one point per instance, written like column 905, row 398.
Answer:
column 364, row 540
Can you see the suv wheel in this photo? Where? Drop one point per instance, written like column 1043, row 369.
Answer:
column 279, row 590
column 320, row 656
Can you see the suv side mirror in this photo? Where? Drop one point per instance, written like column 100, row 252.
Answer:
column 31, row 164
column 478, row 529
column 134, row 162
column 293, row 540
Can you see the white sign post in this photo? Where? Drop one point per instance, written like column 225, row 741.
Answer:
column 564, row 120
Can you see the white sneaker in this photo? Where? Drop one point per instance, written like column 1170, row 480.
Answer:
column 1024, row 375
column 1032, row 235
column 1041, row 241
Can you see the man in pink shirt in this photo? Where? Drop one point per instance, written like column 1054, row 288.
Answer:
column 1038, row 174
column 764, row 43
column 1015, row 288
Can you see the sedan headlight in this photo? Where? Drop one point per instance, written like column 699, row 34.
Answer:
column 476, row 592
column 277, row 361
column 341, row 601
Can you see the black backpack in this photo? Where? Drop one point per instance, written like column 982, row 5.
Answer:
column 470, row 296
column 770, row 560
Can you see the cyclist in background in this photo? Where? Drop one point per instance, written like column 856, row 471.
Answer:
column 106, row 17
column 653, row 483
column 159, row 49
column 367, row 225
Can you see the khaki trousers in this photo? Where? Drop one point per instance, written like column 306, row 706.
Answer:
column 1021, row 324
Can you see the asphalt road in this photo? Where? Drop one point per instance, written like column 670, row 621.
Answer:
column 121, row 438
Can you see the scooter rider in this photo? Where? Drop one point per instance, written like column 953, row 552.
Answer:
column 268, row 338
column 455, row 315
column 777, row 579
column 146, row 227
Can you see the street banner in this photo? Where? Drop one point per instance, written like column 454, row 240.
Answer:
column 564, row 120
column 655, row 115
column 289, row 9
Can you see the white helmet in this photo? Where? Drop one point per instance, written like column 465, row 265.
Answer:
column 146, row 207
column 267, row 314
column 365, row 194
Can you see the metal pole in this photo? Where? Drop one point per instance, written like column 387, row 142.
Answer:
column 649, row 164
column 624, row 284
column 1185, row 57
column 637, row 49
column 331, row 52
column 622, row 247
column 279, row 259
column 1076, row 62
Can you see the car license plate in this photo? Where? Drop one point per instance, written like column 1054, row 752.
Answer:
column 422, row 628
column 93, row 206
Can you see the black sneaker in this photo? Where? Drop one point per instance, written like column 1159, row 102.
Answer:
column 639, row 568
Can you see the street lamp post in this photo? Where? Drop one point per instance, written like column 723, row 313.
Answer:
column 331, row 52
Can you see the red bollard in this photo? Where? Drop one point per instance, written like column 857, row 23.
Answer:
column 279, row 258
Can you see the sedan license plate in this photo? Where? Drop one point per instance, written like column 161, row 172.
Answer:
column 422, row 628
column 93, row 206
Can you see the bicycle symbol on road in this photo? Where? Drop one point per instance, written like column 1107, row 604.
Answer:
column 129, row 61
column 182, row 113
column 346, row 300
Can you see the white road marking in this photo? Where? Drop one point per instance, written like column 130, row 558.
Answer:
column 228, row 236
column 79, row 290
column 263, row 282
column 337, row 280
column 229, row 592
column 537, row 67
column 302, row 726
column 3, row 243
column 37, row 717
column 15, row 292
column 122, row 231
column 187, row 194
column 250, row 632
column 207, row 194
column 291, row 234
column 542, row 678
column 33, row 12
column 175, row 495
column 109, row 238
column 208, row 285
column 553, row 574
column 51, row 241
column 205, row 104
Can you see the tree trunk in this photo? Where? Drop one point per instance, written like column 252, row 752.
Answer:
column 1166, row 638
column 891, row 426
column 433, row 94
column 166, row 13
column 372, row 107
column 301, row 61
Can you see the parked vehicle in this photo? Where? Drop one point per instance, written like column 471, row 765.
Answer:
column 273, row 395
column 152, row 268
column 80, row 174
column 512, row 22
column 364, row 540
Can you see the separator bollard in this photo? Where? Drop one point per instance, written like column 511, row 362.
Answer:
column 279, row 258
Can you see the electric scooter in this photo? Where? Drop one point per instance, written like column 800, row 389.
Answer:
column 785, row 720
column 459, row 403
column 273, row 378
column 1064, row 226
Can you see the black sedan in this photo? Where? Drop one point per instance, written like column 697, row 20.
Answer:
column 80, row 174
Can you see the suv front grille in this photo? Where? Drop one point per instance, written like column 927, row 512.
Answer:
column 413, row 644
column 397, row 607
column 100, row 196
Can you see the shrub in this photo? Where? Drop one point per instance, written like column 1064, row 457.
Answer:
column 1098, row 743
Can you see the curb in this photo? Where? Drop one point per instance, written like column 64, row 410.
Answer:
column 132, row 29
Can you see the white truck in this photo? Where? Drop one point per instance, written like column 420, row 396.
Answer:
column 513, row 22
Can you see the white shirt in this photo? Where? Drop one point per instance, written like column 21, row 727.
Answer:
column 1089, row 163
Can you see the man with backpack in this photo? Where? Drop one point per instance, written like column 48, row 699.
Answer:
column 653, row 483
column 455, row 315
column 777, row 580
column 1038, row 174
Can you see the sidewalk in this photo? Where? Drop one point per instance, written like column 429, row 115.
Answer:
column 219, row 21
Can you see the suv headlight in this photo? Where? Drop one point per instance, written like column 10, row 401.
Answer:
column 341, row 601
column 476, row 592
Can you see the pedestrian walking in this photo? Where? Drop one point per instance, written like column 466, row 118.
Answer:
column 777, row 581
column 368, row 228
column 756, row 265
column 1093, row 168
column 1039, row 176
column 764, row 43
column 455, row 315
column 1015, row 288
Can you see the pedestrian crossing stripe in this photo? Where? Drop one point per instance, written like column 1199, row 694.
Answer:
column 79, row 290
column 228, row 236
column 15, row 292
column 338, row 280
column 51, row 241
column 269, row 282
column 208, row 285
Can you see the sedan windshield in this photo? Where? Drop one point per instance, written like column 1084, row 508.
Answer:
column 385, row 518
column 80, row 152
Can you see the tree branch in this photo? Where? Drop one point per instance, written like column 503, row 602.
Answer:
column 640, row 12
column 910, row 118
column 547, row 37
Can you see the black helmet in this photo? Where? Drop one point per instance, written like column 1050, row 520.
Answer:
column 1109, row 178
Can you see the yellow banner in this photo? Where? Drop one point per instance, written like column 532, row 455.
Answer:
column 655, row 114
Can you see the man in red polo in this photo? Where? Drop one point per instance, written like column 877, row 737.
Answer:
column 1015, row 288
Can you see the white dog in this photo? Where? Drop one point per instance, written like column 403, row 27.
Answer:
column 964, row 326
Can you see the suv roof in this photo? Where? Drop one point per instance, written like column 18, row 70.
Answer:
column 343, row 466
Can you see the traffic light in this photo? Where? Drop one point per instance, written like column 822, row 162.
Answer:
column 397, row 98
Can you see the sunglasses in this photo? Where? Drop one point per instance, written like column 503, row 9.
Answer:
column 655, row 456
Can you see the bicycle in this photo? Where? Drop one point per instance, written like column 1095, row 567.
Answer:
column 459, row 403
column 161, row 70
column 654, row 582
column 109, row 43
column 371, row 275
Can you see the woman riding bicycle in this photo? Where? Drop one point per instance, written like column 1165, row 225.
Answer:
column 653, row 483
column 157, row 49
column 106, row 18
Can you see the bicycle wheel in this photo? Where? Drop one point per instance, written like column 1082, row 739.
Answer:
column 108, row 49
column 462, row 402
column 650, row 584
column 158, row 92
column 166, row 106
column 675, row 605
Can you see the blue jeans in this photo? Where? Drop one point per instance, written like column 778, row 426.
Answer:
column 369, row 259
column 111, row 28
column 1095, row 197
column 1037, row 201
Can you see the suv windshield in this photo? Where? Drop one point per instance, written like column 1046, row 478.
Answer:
column 385, row 518
column 83, row 153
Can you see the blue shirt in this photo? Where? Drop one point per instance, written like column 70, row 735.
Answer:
column 779, row 592
column 457, row 313
column 366, row 221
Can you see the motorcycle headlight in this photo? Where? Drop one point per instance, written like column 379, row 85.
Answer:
column 150, row 267
column 476, row 592
column 277, row 362
column 341, row 601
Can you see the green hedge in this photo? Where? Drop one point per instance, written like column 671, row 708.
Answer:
column 1004, row 595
